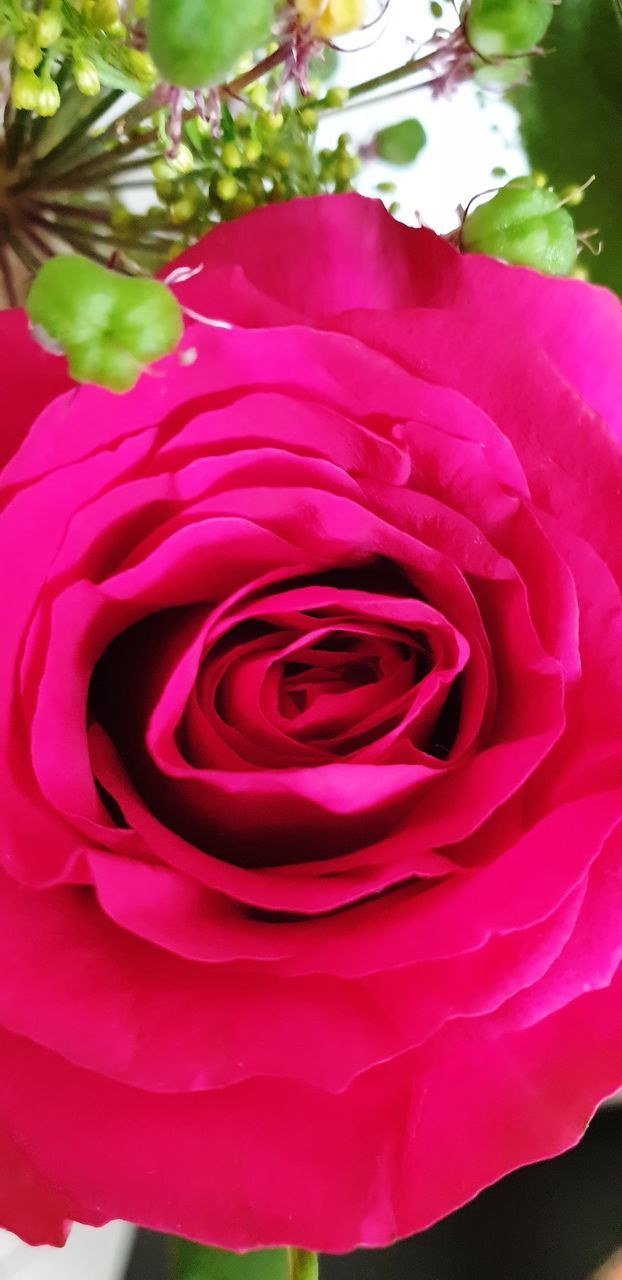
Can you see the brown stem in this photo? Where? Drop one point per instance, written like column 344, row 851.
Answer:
column 7, row 276
column 86, row 213
column 22, row 252
column 40, row 244
column 98, row 174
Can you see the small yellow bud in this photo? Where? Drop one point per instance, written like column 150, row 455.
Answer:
column 86, row 77
column 573, row 195
column 141, row 65
column 337, row 96
column 273, row 120
column 226, row 188
column 120, row 217
column 258, row 94
column 252, row 150
column 182, row 211
column 330, row 18
column 27, row 54
column 182, row 161
column 48, row 27
column 48, row 99
column 308, row 118
column 25, row 90
column 165, row 190
column 106, row 14
column 231, row 157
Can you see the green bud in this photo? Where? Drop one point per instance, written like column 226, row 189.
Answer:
column 86, row 77
column 525, row 225
column 336, row 96
column 502, row 28
column 106, row 15
column 182, row 160
column 182, row 210
column 226, row 188
column 27, row 54
column 401, row 143
column 140, row 65
column 48, row 98
column 48, row 27
column 25, row 89
column 195, row 44
column 231, row 157
column 252, row 150
column 109, row 326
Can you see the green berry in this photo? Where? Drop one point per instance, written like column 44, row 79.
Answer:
column 226, row 188
column 109, row 326
column 401, row 143
column 182, row 210
column 195, row 44
column 503, row 28
column 231, row 156
column 525, row 225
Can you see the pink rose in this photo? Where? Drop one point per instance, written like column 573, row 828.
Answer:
column 311, row 734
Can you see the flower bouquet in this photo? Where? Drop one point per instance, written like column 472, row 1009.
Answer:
column 310, row 660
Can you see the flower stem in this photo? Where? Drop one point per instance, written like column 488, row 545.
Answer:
column 410, row 68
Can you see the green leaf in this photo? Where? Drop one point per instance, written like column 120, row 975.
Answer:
column 571, row 120
column 199, row 1262
column 401, row 143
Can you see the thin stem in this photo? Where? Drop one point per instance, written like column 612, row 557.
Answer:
column 22, row 252
column 77, row 135
column 100, row 237
column 127, row 123
column 86, row 213
column 410, row 68
column 267, row 64
column 98, row 174
column 45, row 249
column 381, row 97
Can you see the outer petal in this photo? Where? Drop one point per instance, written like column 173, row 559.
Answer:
column 347, row 252
column 407, row 1143
column 30, row 379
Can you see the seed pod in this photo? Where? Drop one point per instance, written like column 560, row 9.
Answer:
column 109, row 326
column 196, row 43
column 504, row 28
column 526, row 225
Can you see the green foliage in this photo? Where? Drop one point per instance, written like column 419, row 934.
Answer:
column 196, row 1262
column 571, row 119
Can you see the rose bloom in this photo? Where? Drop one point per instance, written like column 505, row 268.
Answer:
column 311, row 734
